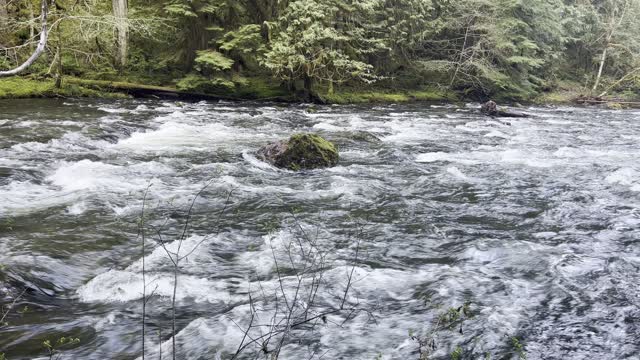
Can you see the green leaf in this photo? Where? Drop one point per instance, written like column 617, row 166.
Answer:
column 180, row 10
column 213, row 60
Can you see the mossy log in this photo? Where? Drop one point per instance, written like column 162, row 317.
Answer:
column 146, row 91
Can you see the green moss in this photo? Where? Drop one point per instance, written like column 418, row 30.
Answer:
column 309, row 151
column 456, row 354
column 563, row 92
column 433, row 95
column 15, row 87
column 111, row 86
column 615, row 106
column 239, row 87
column 22, row 87
column 557, row 97
column 257, row 88
column 354, row 96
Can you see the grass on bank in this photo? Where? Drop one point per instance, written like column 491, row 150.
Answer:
column 25, row 87
column 357, row 96
column 32, row 87
column 264, row 88
column 245, row 88
column 565, row 92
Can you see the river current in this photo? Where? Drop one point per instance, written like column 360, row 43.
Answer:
column 533, row 223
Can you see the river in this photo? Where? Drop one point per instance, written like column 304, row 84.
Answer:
column 534, row 224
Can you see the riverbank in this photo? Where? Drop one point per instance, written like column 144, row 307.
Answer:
column 31, row 87
column 22, row 87
column 251, row 89
column 263, row 89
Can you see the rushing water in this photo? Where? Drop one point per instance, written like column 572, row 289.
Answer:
column 535, row 224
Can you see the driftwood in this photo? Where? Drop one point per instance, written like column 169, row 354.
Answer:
column 490, row 108
column 508, row 114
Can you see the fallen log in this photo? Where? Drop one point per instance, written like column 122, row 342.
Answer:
column 508, row 114
column 490, row 108
column 146, row 91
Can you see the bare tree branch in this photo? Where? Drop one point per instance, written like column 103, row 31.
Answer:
column 44, row 36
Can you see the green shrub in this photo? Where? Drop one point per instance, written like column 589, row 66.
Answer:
column 201, row 84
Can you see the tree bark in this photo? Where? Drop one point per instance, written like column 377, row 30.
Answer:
column 308, row 87
column 32, row 28
column 42, row 44
column 121, row 13
column 4, row 15
column 602, row 61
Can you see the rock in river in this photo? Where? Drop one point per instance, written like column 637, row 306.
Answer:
column 489, row 108
column 300, row 152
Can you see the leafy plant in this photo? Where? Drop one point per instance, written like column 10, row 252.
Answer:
column 518, row 348
column 212, row 61
column 55, row 348
column 200, row 84
column 457, row 353
column 449, row 320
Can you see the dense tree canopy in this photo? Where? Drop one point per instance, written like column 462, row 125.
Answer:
column 515, row 48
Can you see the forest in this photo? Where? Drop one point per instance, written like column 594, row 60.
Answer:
column 331, row 50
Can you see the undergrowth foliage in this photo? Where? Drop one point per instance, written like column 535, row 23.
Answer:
column 514, row 49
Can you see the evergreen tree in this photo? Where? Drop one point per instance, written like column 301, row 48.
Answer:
column 315, row 41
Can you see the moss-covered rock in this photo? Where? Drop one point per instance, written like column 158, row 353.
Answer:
column 300, row 152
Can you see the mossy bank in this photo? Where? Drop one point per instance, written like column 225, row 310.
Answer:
column 22, row 87
column 266, row 89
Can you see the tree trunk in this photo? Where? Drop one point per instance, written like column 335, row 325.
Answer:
column 121, row 13
column 308, row 87
column 4, row 15
column 42, row 44
column 602, row 61
column 32, row 28
column 59, row 63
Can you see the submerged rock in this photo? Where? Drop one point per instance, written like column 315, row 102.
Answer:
column 300, row 152
column 363, row 136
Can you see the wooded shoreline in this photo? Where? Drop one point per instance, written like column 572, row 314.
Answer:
column 23, row 88
column 324, row 51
